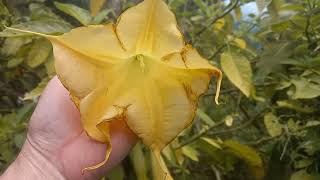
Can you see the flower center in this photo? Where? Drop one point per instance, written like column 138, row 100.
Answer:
column 141, row 59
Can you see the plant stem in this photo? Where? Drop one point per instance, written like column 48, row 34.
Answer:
column 229, row 8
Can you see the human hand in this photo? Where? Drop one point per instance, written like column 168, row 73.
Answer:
column 57, row 147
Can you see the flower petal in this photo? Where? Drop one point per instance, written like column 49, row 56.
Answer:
column 98, row 42
column 190, row 60
column 83, row 55
column 150, row 28
column 76, row 73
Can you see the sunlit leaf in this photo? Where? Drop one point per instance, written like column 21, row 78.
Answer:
column 191, row 153
column 272, row 124
column 212, row 142
column 305, row 89
column 238, row 70
column 217, row 26
column 240, row 43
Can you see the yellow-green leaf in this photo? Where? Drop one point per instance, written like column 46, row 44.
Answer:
column 272, row 124
column 238, row 70
column 244, row 152
column 240, row 43
column 138, row 161
column 305, row 89
column 190, row 152
column 217, row 26
column 212, row 142
column 36, row 92
column 39, row 53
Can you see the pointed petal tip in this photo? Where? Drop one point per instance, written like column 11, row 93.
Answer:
column 29, row 32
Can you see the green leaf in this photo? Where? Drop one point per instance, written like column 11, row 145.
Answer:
column 14, row 62
column 19, row 140
column 292, row 7
column 271, row 59
column 190, row 152
column 117, row 173
column 294, row 105
column 137, row 158
column 82, row 15
column 313, row 123
column 272, row 124
column 305, row 89
column 36, row 92
column 49, row 65
column 101, row 16
column 201, row 5
column 12, row 45
column 238, row 70
column 303, row 163
column 303, row 175
column 3, row 9
column 42, row 12
column 39, row 53
column 205, row 117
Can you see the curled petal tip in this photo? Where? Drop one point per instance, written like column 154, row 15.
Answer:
column 216, row 101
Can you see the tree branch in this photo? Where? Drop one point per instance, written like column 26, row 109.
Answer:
column 204, row 132
column 229, row 8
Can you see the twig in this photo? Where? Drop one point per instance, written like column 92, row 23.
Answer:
column 231, row 6
column 200, row 134
column 216, row 172
column 222, row 92
column 285, row 148
column 204, row 132
column 262, row 140
column 218, row 51
column 241, row 127
column 266, row 139
column 246, row 114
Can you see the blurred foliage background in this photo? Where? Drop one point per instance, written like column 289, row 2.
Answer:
column 268, row 123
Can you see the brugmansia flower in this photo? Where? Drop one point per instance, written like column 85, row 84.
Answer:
column 139, row 70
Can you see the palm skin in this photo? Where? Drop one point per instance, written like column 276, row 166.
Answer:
column 55, row 132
